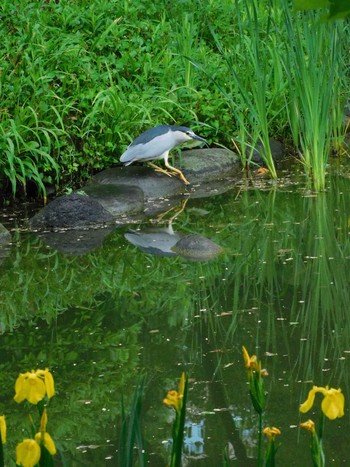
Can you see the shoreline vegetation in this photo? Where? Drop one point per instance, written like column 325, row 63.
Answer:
column 80, row 80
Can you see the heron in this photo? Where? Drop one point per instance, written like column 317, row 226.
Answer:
column 155, row 144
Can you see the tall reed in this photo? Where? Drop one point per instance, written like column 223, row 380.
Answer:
column 131, row 430
column 314, row 74
column 255, row 86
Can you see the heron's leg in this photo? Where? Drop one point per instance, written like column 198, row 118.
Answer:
column 177, row 171
column 159, row 169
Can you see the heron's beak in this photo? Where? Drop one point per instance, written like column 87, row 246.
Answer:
column 199, row 138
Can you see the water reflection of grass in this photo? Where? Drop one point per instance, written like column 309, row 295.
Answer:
column 290, row 263
column 281, row 286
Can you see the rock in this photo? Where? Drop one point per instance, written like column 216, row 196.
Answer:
column 71, row 212
column 117, row 199
column 197, row 248
column 201, row 165
column 152, row 183
column 126, row 191
column 277, row 150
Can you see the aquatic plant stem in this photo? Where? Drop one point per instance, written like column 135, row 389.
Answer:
column 259, row 440
column 321, row 427
column 1, row 453
column 322, row 459
column 178, row 431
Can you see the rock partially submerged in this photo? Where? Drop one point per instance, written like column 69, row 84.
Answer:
column 276, row 147
column 202, row 165
column 71, row 212
column 198, row 165
column 125, row 191
column 117, row 199
column 153, row 184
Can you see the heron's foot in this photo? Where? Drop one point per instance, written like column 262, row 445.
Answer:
column 163, row 171
column 170, row 173
column 184, row 179
column 156, row 168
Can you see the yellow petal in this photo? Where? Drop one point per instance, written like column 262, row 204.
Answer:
column 333, row 404
column 246, row 357
column 172, row 399
column 306, row 406
column 251, row 363
column 49, row 384
column 308, row 425
column 3, row 429
column 47, row 441
column 19, row 397
column 271, row 432
column 34, row 389
column 28, row 453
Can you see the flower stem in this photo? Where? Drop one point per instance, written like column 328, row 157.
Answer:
column 259, row 439
column 2, row 463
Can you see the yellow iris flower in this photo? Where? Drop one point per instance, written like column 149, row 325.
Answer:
column 308, row 425
column 251, row 362
column 46, row 440
column 33, row 386
column 28, row 453
column 174, row 398
column 332, row 404
column 271, row 432
column 3, row 429
column 43, row 438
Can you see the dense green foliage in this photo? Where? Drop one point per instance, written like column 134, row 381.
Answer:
column 80, row 79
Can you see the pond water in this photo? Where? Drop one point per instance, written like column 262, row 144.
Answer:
column 100, row 319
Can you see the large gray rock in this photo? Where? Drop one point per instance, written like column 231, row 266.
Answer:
column 153, row 184
column 124, row 191
column 71, row 212
column 198, row 165
column 117, row 199
column 202, row 165
column 277, row 148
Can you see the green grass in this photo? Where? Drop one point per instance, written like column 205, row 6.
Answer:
column 79, row 80
column 315, row 73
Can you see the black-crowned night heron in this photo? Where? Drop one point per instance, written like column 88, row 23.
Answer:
column 155, row 144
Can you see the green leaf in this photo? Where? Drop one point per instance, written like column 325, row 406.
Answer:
column 310, row 4
column 339, row 9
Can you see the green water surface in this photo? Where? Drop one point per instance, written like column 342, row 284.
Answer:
column 98, row 320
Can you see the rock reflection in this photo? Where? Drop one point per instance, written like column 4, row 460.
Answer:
column 165, row 241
